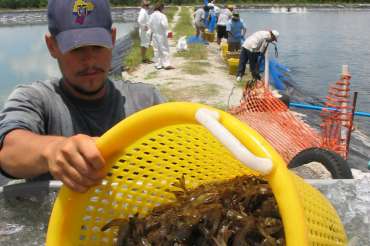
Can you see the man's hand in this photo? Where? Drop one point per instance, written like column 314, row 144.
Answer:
column 76, row 161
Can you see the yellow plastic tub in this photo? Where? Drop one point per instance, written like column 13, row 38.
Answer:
column 233, row 54
column 233, row 65
column 147, row 152
column 209, row 36
column 224, row 48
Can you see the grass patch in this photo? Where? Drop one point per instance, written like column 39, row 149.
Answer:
column 133, row 58
column 189, row 93
column 244, row 80
column 220, row 105
column 240, row 83
column 170, row 12
column 195, row 52
column 151, row 75
column 184, row 25
column 195, row 68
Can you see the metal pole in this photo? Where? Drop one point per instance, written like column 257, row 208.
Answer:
column 26, row 189
column 351, row 121
column 267, row 72
column 344, row 130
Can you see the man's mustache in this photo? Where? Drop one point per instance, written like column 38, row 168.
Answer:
column 93, row 69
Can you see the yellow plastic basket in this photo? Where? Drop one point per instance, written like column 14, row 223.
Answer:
column 233, row 54
column 209, row 36
column 224, row 46
column 147, row 152
column 233, row 65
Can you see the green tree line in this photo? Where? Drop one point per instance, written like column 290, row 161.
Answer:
column 17, row 4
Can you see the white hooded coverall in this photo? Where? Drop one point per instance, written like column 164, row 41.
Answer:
column 144, row 31
column 158, row 24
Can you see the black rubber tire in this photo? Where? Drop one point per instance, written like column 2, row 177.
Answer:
column 285, row 99
column 333, row 162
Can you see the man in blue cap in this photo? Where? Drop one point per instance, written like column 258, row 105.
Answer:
column 47, row 128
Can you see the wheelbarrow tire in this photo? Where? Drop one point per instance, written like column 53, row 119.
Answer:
column 333, row 162
column 285, row 99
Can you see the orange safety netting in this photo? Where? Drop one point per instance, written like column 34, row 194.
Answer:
column 271, row 118
column 337, row 122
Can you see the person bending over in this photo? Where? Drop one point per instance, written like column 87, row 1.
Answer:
column 199, row 20
column 254, row 46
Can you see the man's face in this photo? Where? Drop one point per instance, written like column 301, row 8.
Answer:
column 85, row 69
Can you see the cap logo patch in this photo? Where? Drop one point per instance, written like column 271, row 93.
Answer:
column 82, row 9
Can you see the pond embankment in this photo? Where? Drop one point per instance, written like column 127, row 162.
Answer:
column 307, row 5
column 128, row 14
column 10, row 17
column 201, row 74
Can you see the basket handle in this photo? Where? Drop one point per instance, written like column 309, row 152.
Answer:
column 210, row 120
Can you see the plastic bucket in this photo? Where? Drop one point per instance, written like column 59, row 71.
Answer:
column 150, row 150
column 224, row 47
column 210, row 36
column 232, row 54
column 233, row 65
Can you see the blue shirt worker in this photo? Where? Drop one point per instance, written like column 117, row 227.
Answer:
column 48, row 128
column 235, row 32
column 254, row 46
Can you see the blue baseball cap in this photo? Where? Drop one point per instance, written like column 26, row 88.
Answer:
column 77, row 23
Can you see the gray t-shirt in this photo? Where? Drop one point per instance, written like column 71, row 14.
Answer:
column 199, row 16
column 46, row 108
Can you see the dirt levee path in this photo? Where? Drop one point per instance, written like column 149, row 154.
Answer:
column 205, row 81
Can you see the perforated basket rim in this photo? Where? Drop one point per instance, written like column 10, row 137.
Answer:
column 69, row 204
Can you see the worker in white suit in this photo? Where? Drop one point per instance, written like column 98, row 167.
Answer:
column 144, row 31
column 158, row 24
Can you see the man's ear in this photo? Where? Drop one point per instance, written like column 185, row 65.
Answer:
column 114, row 33
column 52, row 45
